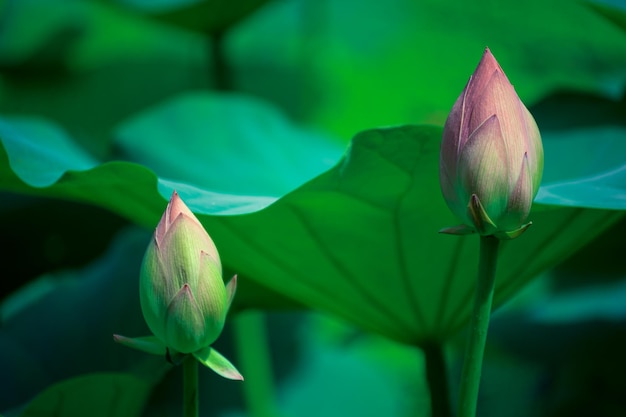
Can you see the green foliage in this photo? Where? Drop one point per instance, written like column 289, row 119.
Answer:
column 107, row 106
column 97, row 395
column 214, row 360
column 61, row 325
column 613, row 13
column 240, row 149
column 359, row 240
column 201, row 15
column 585, row 167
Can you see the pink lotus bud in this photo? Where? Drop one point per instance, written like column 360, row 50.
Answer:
column 491, row 155
column 183, row 297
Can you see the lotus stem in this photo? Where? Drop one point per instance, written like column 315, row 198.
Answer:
column 253, row 352
column 221, row 70
column 437, row 378
column 190, row 387
column 472, row 366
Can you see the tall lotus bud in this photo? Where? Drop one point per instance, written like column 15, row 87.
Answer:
column 183, row 297
column 491, row 155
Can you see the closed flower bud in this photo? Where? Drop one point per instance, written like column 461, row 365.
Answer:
column 491, row 155
column 183, row 297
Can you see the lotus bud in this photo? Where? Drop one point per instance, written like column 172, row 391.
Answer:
column 491, row 159
column 183, row 297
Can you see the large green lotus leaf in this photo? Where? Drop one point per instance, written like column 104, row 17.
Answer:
column 585, row 167
column 237, row 155
column 42, row 152
column 48, row 174
column 232, row 144
column 360, row 240
column 98, row 395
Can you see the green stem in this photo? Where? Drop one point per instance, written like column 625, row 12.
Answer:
column 190, row 387
column 254, row 357
column 470, row 379
column 437, row 378
column 221, row 70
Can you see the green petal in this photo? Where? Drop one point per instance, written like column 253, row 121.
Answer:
column 535, row 150
column 507, row 106
column 231, row 289
column 210, row 295
column 211, row 358
column 520, row 200
column 148, row 344
column 154, row 296
column 180, row 251
column 184, row 323
column 483, row 169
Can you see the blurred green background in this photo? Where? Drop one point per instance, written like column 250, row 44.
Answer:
column 107, row 105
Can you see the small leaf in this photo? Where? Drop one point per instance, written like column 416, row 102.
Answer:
column 460, row 230
column 514, row 233
column 148, row 344
column 480, row 218
column 211, row 358
column 231, row 289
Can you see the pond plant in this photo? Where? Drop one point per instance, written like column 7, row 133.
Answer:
column 295, row 192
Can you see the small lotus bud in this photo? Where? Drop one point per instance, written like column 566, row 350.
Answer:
column 183, row 297
column 491, row 159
